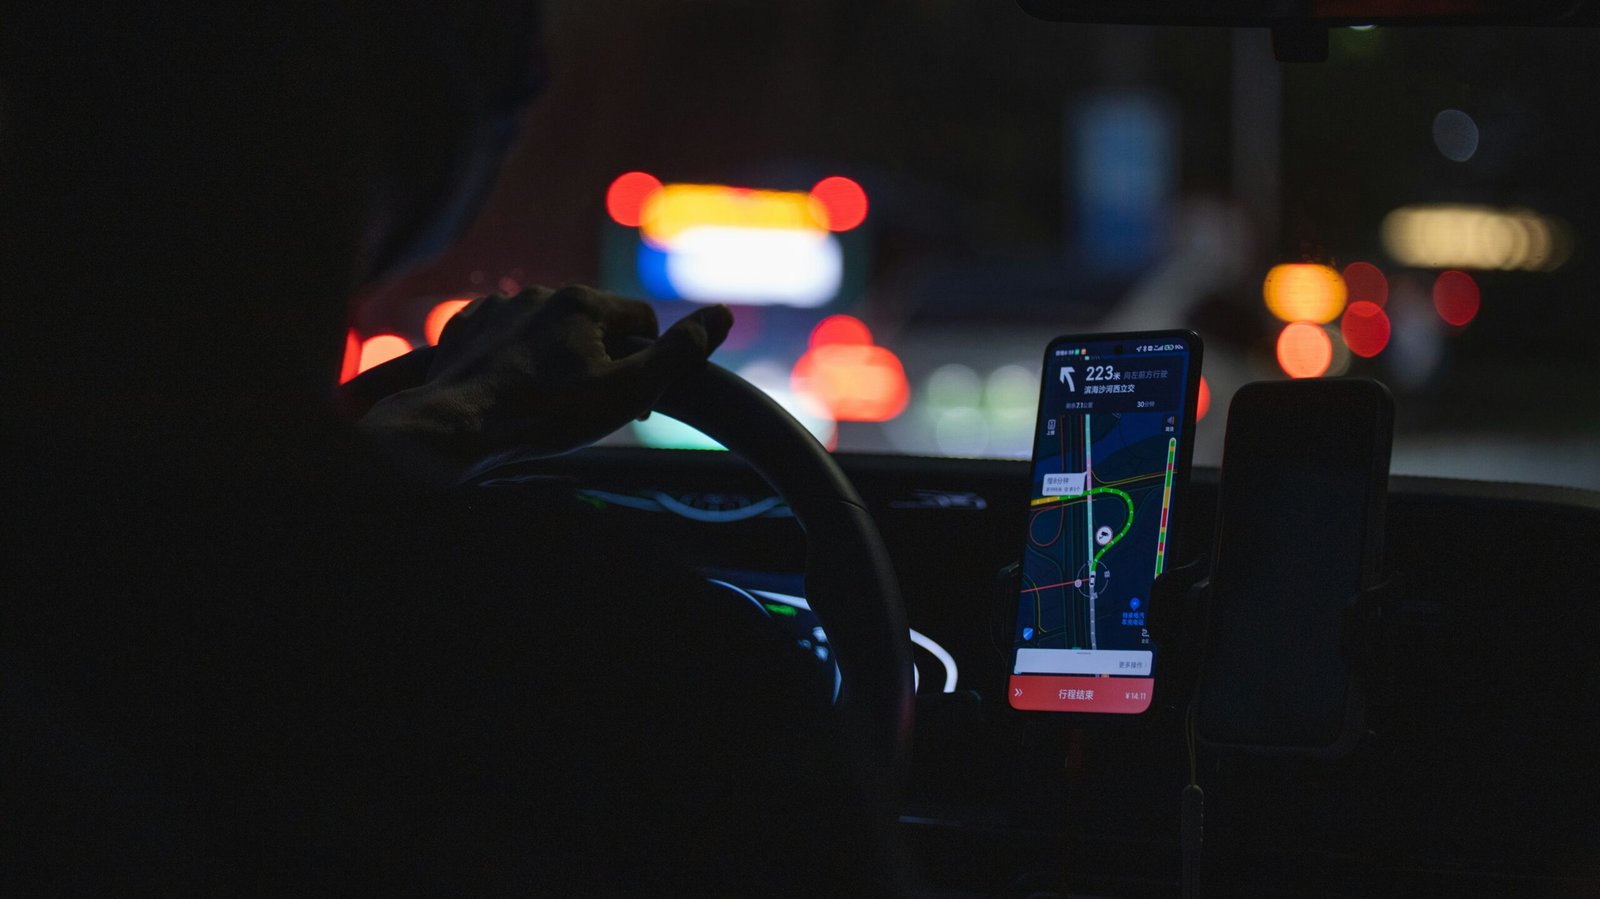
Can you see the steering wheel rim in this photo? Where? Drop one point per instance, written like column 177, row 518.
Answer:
column 850, row 582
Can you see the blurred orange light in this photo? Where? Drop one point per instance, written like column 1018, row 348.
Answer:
column 438, row 317
column 626, row 197
column 1303, row 291
column 380, row 348
column 840, row 329
column 1203, row 404
column 1365, row 328
column 350, row 365
column 676, row 208
column 844, row 200
column 852, row 382
column 1365, row 282
column 1304, row 350
column 1456, row 297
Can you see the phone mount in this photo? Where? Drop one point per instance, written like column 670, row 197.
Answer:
column 1181, row 601
column 1178, row 619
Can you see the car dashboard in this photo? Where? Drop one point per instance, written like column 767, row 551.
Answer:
column 1475, row 775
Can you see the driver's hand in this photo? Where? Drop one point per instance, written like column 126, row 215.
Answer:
column 543, row 373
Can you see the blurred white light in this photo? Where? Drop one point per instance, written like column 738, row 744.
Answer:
column 1455, row 134
column 1474, row 237
column 755, row 266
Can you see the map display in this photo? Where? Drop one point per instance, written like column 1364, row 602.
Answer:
column 1106, row 454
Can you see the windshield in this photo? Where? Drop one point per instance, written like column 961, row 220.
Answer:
column 904, row 203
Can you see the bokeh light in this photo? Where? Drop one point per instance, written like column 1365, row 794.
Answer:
column 626, row 196
column 1304, row 291
column 1467, row 236
column 844, row 200
column 852, row 382
column 1456, row 297
column 1011, row 403
column 439, row 316
column 381, row 348
column 1365, row 328
column 840, row 329
column 1304, row 350
column 1365, row 282
column 1203, row 404
column 1455, row 134
column 953, row 386
column 671, row 210
column 1011, row 388
column 848, row 378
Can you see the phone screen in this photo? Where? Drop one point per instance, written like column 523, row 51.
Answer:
column 1110, row 464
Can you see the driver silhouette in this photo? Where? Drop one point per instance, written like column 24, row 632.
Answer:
column 251, row 648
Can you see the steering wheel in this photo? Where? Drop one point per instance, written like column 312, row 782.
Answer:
column 849, row 581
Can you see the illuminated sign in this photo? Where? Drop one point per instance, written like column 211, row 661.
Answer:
column 712, row 243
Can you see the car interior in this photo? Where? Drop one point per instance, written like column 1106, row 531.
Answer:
column 994, row 176
column 1384, row 206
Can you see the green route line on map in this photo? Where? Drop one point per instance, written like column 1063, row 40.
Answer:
column 1125, row 525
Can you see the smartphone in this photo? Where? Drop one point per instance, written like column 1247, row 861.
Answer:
column 1111, row 461
column 1300, row 514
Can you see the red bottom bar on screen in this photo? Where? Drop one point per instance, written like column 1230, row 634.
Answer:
column 1059, row 693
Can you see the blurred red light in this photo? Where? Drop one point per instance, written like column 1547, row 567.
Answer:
column 380, row 348
column 439, row 316
column 1365, row 328
column 350, row 366
column 840, row 329
column 845, row 201
column 1304, row 350
column 1203, row 404
column 1366, row 283
column 1456, row 297
column 626, row 197
column 853, row 382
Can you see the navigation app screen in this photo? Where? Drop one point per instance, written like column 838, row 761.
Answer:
column 1109, row 455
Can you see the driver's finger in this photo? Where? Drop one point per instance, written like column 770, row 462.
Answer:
column 617, row 316
column 681, row 349
column 624, row 317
